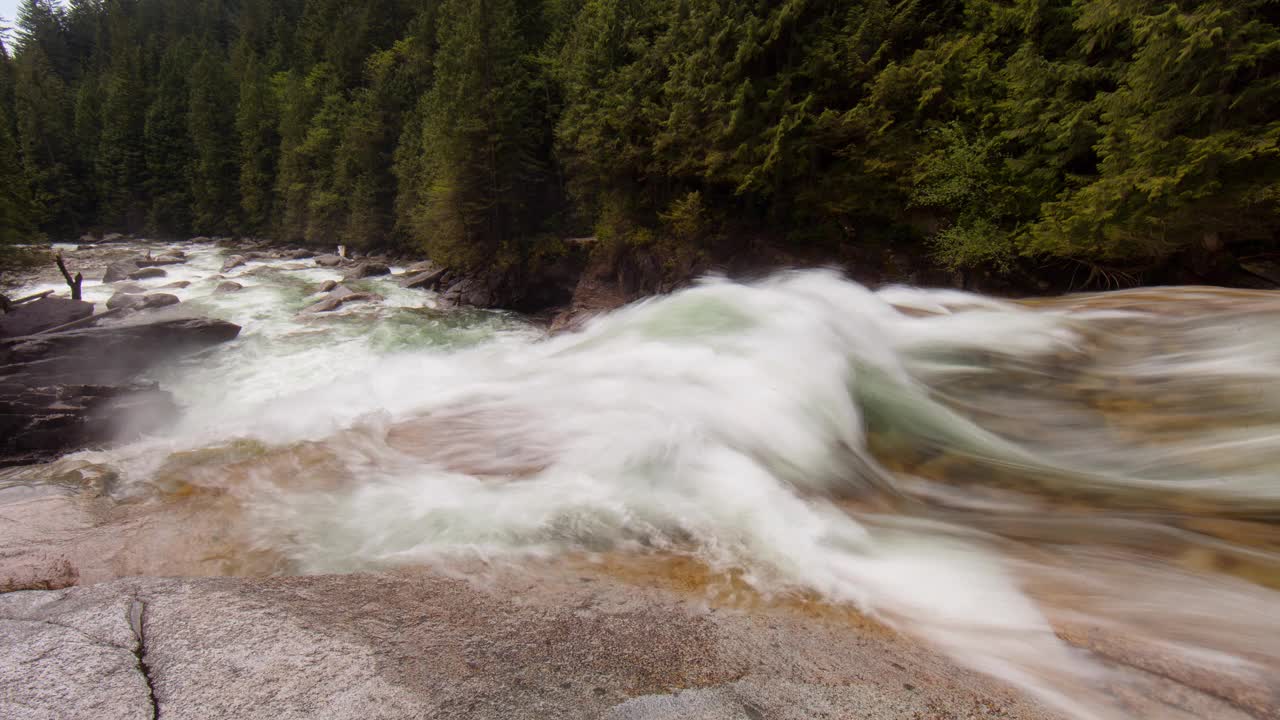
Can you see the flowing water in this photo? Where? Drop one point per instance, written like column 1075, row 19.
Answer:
column 1047, row 491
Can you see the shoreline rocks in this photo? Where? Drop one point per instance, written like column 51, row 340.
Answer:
column 62, row 391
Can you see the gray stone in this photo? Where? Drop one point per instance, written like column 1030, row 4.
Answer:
column 147, row 273
column 228, row 286
column 339, row 297
column 160, row 260
column 128, row 287
column 125, row 299
column 366, row 269
column 233, row 262
column 177, row 285
column 329, row 261
column 424, row 281
column 328, row 285
column 159, row 300
column 120, row 270
column 43, row 314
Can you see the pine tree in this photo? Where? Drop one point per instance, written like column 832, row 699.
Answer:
column 211, row 125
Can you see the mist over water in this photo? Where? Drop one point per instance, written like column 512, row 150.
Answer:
column 1049, row 491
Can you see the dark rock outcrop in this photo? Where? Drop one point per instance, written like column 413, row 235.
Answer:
column 66, row 390
column 147, row 273
column 428, row 280
column 43, row 314
column 106, row 355
column 39, row 423
column 339, row 296
column 124, row 299
column 367, row 269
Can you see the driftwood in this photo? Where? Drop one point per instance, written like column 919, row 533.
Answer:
column 83, row 321
column 29, row 298
column 74, row 284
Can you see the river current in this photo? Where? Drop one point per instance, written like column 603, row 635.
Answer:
column 1047, row 491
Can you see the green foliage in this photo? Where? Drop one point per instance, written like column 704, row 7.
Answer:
column 997, row 132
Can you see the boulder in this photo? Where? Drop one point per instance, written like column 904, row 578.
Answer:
column 328, row 285
column 121, row 270
column 233, row 262
column 337, row 299
column 147, row 273
column 228, row 286
column 177, row 285
column 88, row 239
column 421, row 266
column 366, row 269
column 43, row 314
column 125, row 299
column 38, row 423
column 159, row 300
column 297, row 254
column 113, row 237
column 329, row 261
column 425, row 645
column 106, row 355
column 429, row 280
column 128, row 287
column 65, row 390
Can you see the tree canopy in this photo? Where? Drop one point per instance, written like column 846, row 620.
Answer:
column 992, row 132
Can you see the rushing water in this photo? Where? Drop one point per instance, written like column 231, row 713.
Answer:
column 1045, row 491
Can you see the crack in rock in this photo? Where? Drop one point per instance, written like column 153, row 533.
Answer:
column 137, row 620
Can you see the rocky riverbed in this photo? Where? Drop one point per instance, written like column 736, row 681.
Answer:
column 791, row 499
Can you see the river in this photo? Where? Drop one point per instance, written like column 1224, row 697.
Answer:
column 1049, row 491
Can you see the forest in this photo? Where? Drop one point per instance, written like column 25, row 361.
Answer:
column 484, row 133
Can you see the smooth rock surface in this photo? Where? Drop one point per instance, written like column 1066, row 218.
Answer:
column 428, row 280
column 419, row 645
column 366, row 269
column 43, row 314
column 233, row 262
column 228, row 286
column 147, row 273
column 329, row 261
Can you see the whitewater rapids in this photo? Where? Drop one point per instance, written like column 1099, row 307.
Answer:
column 991, row 477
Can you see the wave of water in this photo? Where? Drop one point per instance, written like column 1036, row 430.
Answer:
column 988, row 476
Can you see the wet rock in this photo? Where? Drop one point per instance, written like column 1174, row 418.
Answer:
column 428, row 280
column 62, row 391
column 128, row 287
column 147, row 273
column 367, row 269
column 113, row 237
column 177, row 285
column 39, row 423
column 106, row 355
column 43, row 314
column 228, row 286
column 88, row 239
column 327, row 285
column 329, row 261
column 121, row 270
column 160, row 260
column 125, row 299
column 234, row 262
column 297, row 254
column 201, row 239
column 338, row 297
